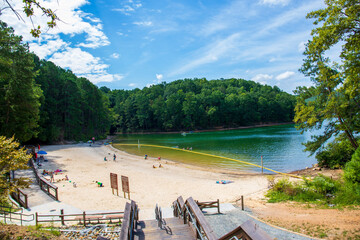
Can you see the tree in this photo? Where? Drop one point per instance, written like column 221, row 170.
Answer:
column 11, row 158
column 29, row 11
column 19, row 95
column 333, row 102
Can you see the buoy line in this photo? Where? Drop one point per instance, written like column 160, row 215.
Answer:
column 209, row 155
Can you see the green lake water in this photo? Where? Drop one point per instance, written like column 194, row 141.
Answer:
column 280, row 147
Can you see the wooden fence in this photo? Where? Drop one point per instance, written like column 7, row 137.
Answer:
column 20, row 198
column 9, row 213
column 83, row 218
column 210, row 204
column 44, row 184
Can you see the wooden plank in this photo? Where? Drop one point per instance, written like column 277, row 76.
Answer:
column 247, row 230
column 181, row 202
column 209, row 232
column 126, row 223
column 254, row 231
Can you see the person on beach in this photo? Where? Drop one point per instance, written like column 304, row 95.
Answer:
column 159, row 158
column 105, row 159
column 114, row 157
column 145, row 156
column 99, row 184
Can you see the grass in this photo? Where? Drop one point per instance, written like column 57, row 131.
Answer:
column 322, row 191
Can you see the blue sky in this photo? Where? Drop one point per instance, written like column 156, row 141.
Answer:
column 134, row 43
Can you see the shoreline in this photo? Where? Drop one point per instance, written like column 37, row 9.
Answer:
column 149, row 183
column 216, row 129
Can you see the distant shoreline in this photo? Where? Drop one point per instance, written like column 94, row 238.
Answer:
column 209, row 130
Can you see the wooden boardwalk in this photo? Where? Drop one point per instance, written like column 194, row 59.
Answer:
column 173, row 228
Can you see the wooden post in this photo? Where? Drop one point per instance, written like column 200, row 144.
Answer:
column 218, row 202
column 36, row 218
column 84, row 218
column 62, row 216
column 262, row 168
column 242, row 202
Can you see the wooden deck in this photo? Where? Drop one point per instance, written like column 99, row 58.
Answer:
column 175, row 229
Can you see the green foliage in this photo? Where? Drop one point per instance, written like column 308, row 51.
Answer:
column 11, row 158
column 352, row 169
column 200, row 104
column 29, row 12
column 335, row 154
column 320, row 190
column 333, row 102
column 72, row 108
column 19, row 95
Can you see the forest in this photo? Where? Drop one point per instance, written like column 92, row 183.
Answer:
column 40, row 101
column 191, row 104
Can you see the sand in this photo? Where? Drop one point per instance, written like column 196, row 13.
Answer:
column 84, row 165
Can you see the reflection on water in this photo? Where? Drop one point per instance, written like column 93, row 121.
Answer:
column 280, row 147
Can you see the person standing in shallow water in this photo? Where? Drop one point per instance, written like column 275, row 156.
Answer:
column 114, row 157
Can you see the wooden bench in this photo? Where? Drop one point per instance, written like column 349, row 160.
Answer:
column 211, row 204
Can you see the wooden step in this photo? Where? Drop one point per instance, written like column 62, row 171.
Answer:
column 176, row 230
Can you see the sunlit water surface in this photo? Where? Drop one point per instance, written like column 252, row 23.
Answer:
column 280, row 147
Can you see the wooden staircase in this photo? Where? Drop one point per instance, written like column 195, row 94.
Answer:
column 172, row 228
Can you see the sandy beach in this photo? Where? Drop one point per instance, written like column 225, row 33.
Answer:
column 84, row 165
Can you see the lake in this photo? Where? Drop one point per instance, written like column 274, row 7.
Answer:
column 280, row 147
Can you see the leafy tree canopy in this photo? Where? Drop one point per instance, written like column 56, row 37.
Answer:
column 29, row 6
column 11, row 158
column 333, row 102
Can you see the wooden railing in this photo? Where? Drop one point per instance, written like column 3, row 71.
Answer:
column 131, row 215
column 193, row 215
column 44, row 184
column 178, row 207
column 20, row 198
column 83, row 218
column 247, row 231
column 210, row 204
column 9, row 213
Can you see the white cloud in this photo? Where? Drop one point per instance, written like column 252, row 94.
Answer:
column 211, row 53
column 44, row 49
column 284, row 75
column 105, row 77
column 262, row 78
column 115, row 55
column 301, row 47
column 72, row 22
column 128, row 8
column 132, row 84
column 275, row 2
column 159, row 77
column 144, row 23
column 272, row 59
column 84, row 64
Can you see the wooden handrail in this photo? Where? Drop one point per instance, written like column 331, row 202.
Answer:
column 247, row 231
column 18, row 198
column 129, row 222
column 44, row 184
column 79, row 217
column 200, row 219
